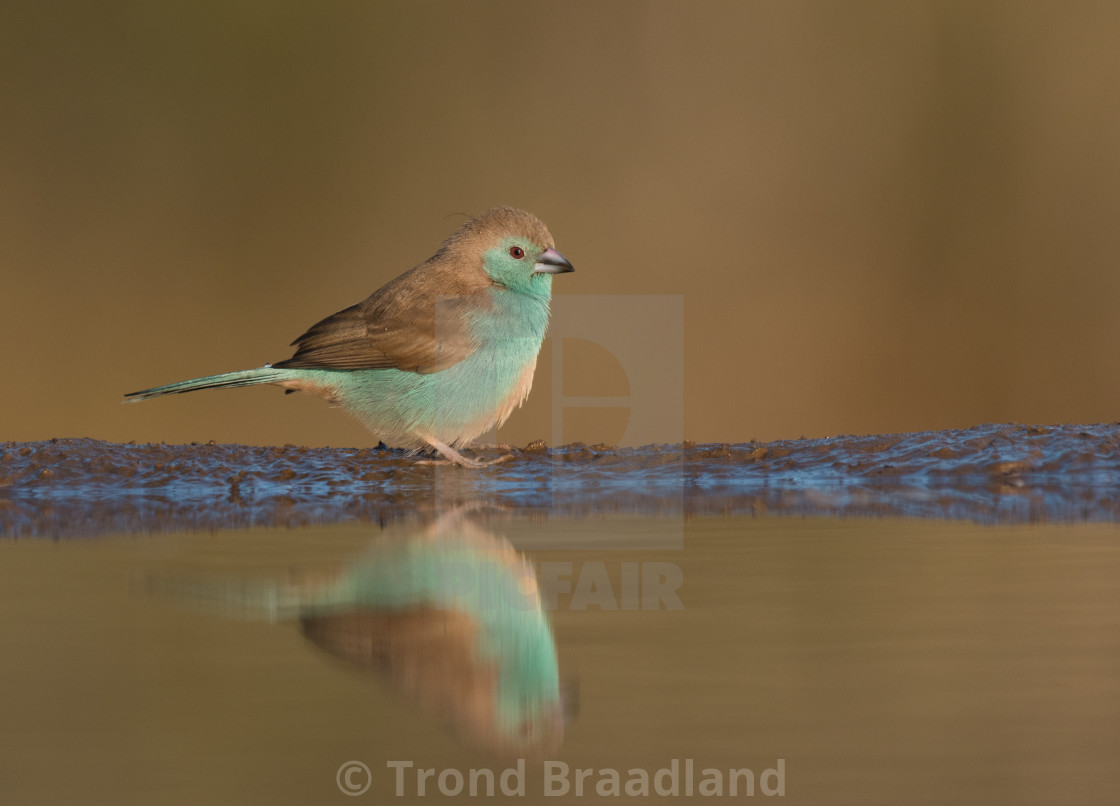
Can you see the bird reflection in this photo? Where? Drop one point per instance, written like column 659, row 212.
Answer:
column 452, row 616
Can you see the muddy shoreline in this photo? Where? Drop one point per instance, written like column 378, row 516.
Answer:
column 987, row 474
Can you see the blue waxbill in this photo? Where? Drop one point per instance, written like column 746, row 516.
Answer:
column 437, row 356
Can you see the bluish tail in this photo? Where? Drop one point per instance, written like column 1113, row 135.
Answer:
column 227, row 380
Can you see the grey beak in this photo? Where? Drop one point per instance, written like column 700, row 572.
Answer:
column 552, row 262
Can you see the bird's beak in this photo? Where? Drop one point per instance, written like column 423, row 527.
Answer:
column 551, row 262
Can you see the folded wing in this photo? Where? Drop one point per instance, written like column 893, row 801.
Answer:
column 419, row 322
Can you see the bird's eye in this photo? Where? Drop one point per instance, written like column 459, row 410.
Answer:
column 517, row 252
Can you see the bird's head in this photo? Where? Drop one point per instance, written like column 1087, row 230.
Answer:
column 516, row 249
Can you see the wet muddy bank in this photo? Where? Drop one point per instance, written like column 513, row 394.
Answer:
column 989, row 474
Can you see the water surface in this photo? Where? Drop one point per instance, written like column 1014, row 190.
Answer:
column 883, row 659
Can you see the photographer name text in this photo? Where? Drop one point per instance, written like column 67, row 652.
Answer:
column 558, row 779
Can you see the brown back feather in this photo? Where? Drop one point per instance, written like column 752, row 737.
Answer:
column 416, row 322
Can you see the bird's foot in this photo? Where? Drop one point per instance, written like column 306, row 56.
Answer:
column 452, row 456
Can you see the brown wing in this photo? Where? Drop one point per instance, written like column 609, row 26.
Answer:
column 415, row 323
column 430, row 655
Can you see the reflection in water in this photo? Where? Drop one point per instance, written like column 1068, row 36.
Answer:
column 887, row 661
column 452, row 616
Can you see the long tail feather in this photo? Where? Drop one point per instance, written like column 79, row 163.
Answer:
column 227, row 380
column 249, row 600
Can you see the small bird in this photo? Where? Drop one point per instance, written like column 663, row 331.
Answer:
column 454, row 619
column 437, row 356
column 451, row 617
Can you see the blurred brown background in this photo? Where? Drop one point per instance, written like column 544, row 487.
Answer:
column 881, row 216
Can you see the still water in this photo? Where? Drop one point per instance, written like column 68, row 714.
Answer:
column 885, row 661
column 839, row 659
